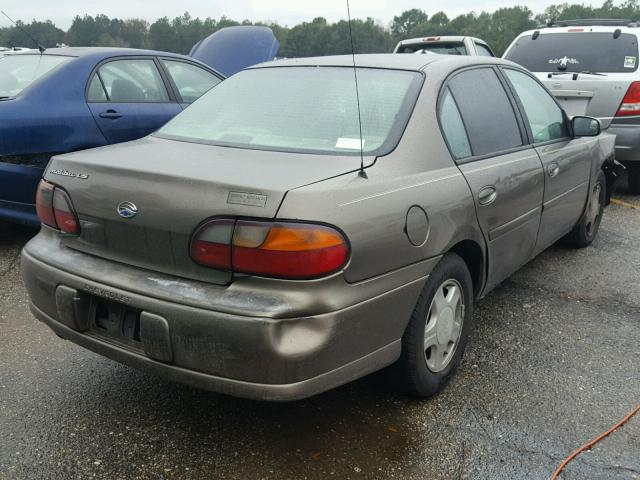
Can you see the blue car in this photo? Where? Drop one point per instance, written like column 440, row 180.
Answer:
column 69, row 99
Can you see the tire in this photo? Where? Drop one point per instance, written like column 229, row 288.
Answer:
column 421, row 371
column 586, row 230
column 633, row 174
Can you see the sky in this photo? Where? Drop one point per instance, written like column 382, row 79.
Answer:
column 284, row 12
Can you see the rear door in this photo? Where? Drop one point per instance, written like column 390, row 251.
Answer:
column 566, row 161
column 486, row 136
column 129, row 98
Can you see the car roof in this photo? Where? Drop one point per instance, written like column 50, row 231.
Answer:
column 582, row 29
column 385, row 60
column 101, row 51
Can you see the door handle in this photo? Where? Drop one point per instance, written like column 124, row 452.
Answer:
column 487, row 195
column 553, row 170
column 110, row 114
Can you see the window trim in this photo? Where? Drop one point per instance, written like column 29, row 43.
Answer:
column 524, row 135
column 523, row 112
column 96, row 71
column 176, row 91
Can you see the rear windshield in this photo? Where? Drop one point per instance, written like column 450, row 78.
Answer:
column 19, row 71
column 576, row 52
column 302, row 109
column 444, row 48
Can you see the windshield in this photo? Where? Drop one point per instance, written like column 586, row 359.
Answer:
column 302, row 109
column 444, row 48
column 576, row 52
column 17, row 72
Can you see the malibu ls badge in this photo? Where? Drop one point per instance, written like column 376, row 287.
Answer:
column 67, row 173
column 127, row 210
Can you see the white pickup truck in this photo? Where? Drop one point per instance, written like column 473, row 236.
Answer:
column 447, row 45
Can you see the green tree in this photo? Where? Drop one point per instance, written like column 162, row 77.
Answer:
column 407, row 21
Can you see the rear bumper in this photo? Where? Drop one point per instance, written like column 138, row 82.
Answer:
column 257, row 391
column 627, row 142
column 245, row 355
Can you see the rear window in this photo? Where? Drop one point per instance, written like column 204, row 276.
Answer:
column 19, row 71
column 576, row 52
column 444, row 48
column 302, row 109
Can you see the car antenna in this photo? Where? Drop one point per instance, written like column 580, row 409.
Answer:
column 361, row 172
column 23, row 30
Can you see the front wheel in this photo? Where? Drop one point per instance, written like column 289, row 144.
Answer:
column 437, row 334
column 586, row 230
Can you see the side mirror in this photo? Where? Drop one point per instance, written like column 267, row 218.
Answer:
column 585, row 126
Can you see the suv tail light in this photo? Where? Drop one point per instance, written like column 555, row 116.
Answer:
column 54, row 208
column 274, row 249
column 631, row 102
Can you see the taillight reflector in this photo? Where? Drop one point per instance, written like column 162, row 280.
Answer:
column 64, row 212
column 274, row 249
column 631, row 102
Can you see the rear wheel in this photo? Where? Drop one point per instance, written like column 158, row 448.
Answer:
column 586, row 230
column 633, row 173
column 437, row 334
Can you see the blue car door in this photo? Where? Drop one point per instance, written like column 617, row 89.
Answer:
column 129, row 98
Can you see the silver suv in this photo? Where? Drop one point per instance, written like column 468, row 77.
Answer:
column 591, row 67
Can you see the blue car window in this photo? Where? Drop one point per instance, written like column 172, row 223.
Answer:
column 96, row 91
column 192, row 81
column 19, row 71
column 133, row 81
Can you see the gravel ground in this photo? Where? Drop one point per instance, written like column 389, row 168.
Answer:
column 554, row 360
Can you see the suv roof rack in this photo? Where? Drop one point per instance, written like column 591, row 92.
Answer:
column 588, row 22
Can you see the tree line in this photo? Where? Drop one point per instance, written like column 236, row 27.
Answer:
column 317, row 37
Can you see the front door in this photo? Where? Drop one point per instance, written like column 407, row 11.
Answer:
column 566, row 161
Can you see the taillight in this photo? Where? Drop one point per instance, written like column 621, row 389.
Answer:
column 274, row 249
column 54, row 208
column 44, row 203
column 631, row 102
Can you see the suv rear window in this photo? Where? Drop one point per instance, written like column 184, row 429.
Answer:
column 302, row 109
column 444, row 48
column 579, row 51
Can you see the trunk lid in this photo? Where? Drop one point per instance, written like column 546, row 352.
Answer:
column 175, row 186
column 596, row 96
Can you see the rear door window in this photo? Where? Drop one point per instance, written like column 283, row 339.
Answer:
column 453, row 128
column 543, row 113
column 190, row 80
column 576, row 52
column 129, row 81
column 488, row 115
